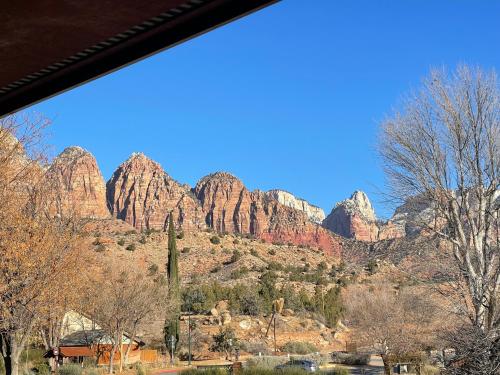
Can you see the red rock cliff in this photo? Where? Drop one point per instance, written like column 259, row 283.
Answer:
column 80, row 185
column 141, row 193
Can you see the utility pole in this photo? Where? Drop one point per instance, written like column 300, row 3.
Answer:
column 189, row 337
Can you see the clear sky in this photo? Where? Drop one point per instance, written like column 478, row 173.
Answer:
column 289, row 97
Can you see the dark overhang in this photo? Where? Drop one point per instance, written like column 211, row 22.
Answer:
column 49, row 46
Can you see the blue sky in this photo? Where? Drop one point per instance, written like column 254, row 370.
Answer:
column 289, row 97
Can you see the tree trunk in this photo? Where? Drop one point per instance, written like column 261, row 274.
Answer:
column 11, row 351
column 132, row 338
column 121, row 352
column 387, row 365
column 112, row 358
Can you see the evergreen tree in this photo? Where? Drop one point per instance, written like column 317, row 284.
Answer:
column 171, row 328
column 172, row 266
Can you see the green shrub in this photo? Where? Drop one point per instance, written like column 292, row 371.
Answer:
column 97, row 241
column 254, row 252
column 100, row 248
column 91, row 370
column 371, row 266
column 140, row 369
column 121, row 242
column 180, row 235
column 272, row 252
column 212, row 251
column 236, row 241
column 236, row 256
column 185, row 250
column 350, row 358
column 153, row 269
column 130, row 247
column 70, row 369
column 129, row 232
column 211, row 371
column 216, row 269
column 215, row 240
column 143, row 240
column 299, row 347
column 42, row 368
column 239, row 273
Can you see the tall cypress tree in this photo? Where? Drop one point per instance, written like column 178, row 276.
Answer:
column 172, row 266
column 172, row 320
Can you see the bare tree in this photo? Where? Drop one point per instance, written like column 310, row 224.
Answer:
column 37, row 249
column 444, row 147
column 126, row 299
column 395, row 322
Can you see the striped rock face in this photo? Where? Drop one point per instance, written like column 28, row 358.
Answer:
column 79, row 183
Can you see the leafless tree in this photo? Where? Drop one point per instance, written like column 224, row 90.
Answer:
column 444, row 147
column 37, row 250
column 395, row 322
column 125, row 300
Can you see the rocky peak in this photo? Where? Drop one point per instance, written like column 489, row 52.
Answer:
column 141, row 193
column 79, row 182
column 353, row 218
column 359, row 204
column 225, row 202
column 314, row 213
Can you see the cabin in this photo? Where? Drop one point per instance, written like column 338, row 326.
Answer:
column 84, row 340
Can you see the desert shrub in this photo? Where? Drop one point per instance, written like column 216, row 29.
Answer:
column 216, row 269
column 299, row 347
column 153, row 269
column 255, row 347
column 212, row 251
column 209, row 371
column 350, row 358
column 371, row 266
column 322, row 266
column 239, row 273
column 254, row 252
column 143, row 240
column 215, row 240
column 140, row 369
column 180, row 235
column 70, row 369
column 274, row 266
column 429, row 370
column 97, row 241
column 42, row 369
column 272, row 252
column 185, row 250
column 266, row 362
column 236, row 241
column 336, row 371
column 130, row 247
column 236, row 256
column 121, row 242
column 129, row 232
column 100, row 248
column 91, row 370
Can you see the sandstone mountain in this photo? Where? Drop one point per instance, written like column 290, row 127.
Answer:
column 141, row 193
column 353, row 218
column 230, row 207
column 80, row 185
column 314, row 213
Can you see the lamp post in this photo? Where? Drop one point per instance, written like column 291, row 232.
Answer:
column 189, row 336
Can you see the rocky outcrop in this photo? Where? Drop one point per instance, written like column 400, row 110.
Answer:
column 79, row 184
column 229, row 207
column 354, row 218
column 314, row 213
column 141, row 193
